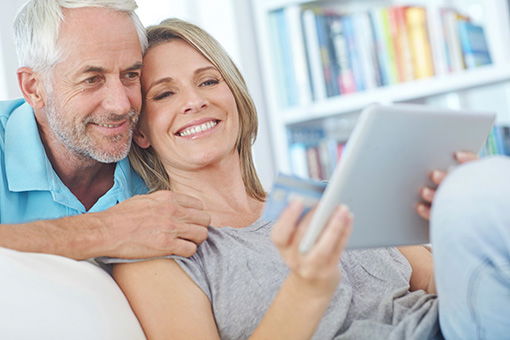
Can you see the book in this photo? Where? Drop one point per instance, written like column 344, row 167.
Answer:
column 281, row 47
column 313, row 54
column 381, row 53
column 453, row 50
column 297, row 157
column 314, row 163
column 416, row 19
column 353, row 51
column 389, row 45
column 367, row 50
column 341, row 58
column 298, row 54
column 329, row 65
column 473, row 44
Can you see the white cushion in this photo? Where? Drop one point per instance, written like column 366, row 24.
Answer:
column 52, row 297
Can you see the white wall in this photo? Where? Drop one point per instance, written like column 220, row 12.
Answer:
column 8, row 61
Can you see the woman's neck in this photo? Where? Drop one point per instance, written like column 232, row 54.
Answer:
column 221, row 189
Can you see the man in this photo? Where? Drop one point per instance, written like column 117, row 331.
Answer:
column 63, row 148
column 65, row 185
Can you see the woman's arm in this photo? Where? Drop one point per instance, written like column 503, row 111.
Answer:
column 169, row 305
column 306, row 293
column 422, row 276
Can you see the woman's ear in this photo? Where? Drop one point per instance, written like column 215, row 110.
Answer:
column 141, row 139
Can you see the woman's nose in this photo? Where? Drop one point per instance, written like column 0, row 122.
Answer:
column 194, row 102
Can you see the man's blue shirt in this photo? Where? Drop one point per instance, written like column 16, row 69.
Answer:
column 29, row 187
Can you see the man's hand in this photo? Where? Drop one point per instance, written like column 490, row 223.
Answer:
column 160, row 223
column 437, row 176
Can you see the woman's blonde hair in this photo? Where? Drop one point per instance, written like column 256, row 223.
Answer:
column 147, row 163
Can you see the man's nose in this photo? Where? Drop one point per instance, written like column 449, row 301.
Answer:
column 116, row 97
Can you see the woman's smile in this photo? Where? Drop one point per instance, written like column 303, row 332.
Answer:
column 198, row 128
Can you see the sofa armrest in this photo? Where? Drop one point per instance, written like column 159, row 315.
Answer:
column 52, row 297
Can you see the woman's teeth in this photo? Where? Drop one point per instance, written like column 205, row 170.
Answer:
column 197, row 128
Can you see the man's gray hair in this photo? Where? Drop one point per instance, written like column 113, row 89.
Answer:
column 37, row 28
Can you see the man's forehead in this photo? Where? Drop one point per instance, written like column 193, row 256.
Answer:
column 98, row 38
column 88, row 26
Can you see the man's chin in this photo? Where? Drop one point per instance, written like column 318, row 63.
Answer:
column 110, row 155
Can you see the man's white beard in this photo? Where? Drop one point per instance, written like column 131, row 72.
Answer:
column 76, row 140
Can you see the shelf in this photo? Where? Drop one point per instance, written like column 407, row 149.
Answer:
column 283, row 23
column 422, row 88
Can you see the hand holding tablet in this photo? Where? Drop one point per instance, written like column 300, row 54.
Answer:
column 387, row 160
column 388, row 157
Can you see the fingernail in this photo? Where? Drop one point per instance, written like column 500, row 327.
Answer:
column 342, row 211
column 460, row 155
column 436, row 175
column 422, row 209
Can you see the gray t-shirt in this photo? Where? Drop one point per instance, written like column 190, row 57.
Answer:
column 241, row 271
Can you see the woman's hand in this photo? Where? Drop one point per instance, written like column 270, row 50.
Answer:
column 317, row 271
column 437, row 176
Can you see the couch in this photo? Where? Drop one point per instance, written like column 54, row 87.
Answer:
column 47, row 297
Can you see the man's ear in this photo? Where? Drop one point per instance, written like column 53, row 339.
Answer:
column 31, row 85
column 141, row 139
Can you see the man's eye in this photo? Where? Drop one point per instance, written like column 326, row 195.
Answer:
column 132, row 75
column 163, row 95
column 93, row 80
column 210, row 82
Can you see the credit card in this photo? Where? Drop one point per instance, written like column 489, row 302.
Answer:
column 285, row 189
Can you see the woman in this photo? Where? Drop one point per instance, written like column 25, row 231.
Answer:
column 195, row 136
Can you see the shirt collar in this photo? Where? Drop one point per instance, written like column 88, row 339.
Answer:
column 26, row 163
column 29, row 169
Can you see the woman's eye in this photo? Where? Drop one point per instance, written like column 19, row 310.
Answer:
column 210, row 82
column 162, row 95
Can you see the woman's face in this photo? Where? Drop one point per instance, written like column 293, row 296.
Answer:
column 190, row 115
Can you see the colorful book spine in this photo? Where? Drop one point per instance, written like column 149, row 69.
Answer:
column 353, row 51
column 473, row 44
column 341, row 54
column 298, row 54
column 329, row 66
column 367, row 50
column 314, row 55
column 453, row 49
column 389, row 45
column 284, row 57
column 416, row 19
column 402, row 46
column 381, row 52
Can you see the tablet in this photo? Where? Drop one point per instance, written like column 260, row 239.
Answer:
column 388, row 158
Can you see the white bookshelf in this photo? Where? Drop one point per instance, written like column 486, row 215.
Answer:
column 469, row 89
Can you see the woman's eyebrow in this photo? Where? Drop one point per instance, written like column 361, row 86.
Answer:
column 159, row 81
column 170, row 79
column 202, row 69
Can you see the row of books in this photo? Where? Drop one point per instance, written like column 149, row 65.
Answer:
column 465, row 44
column 498, row 142
column 312, row 154
column 322, row 53
column 315, row 155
